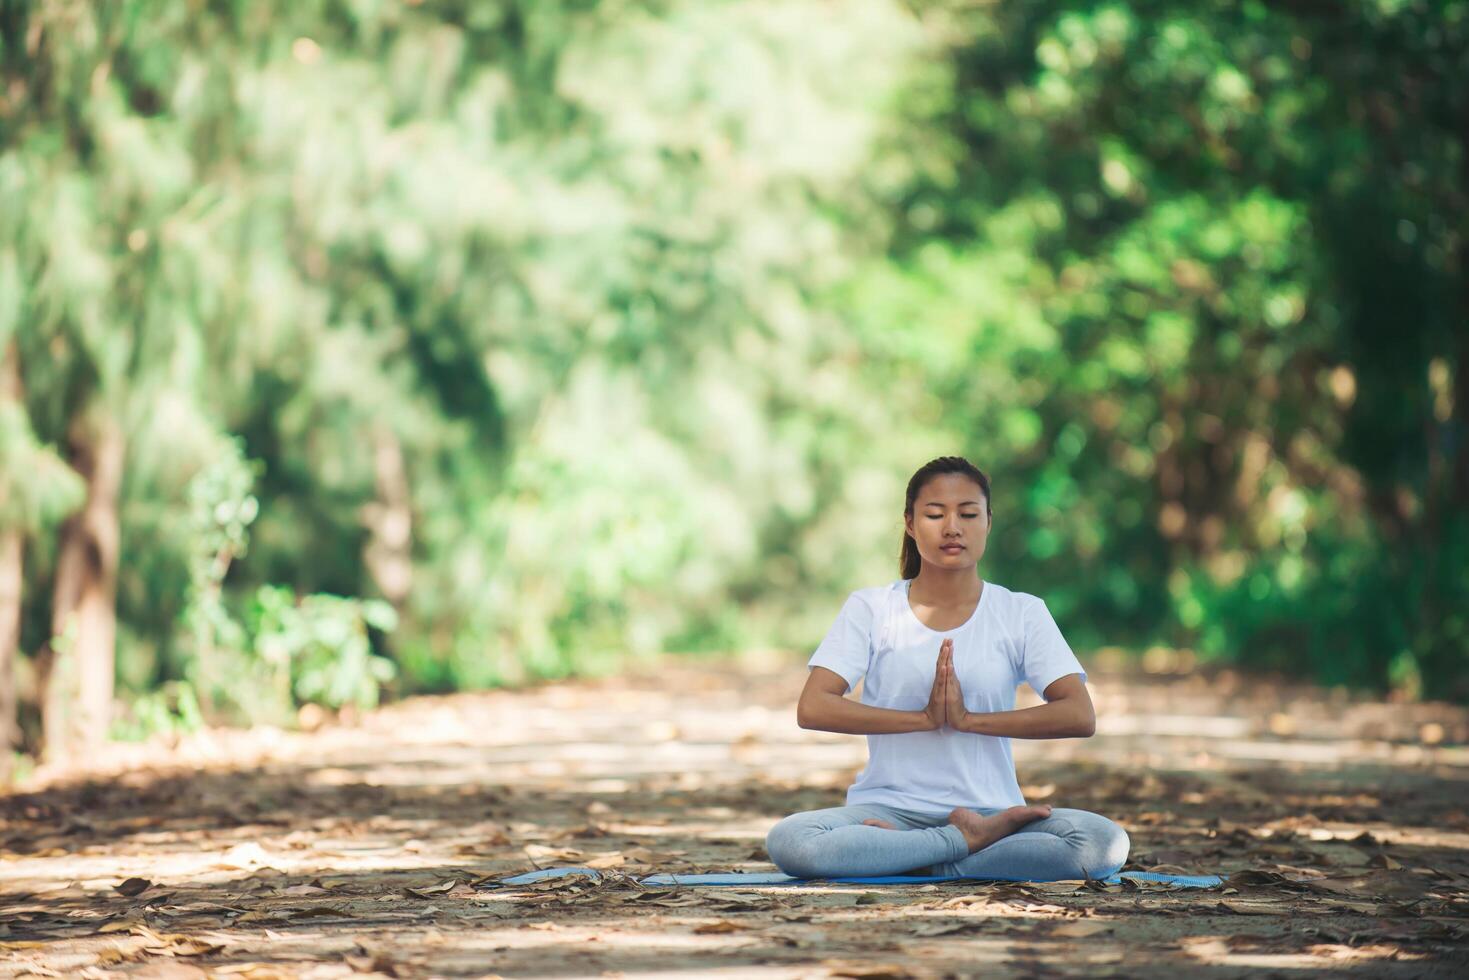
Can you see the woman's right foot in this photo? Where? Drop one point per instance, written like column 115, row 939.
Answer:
column 980, row 832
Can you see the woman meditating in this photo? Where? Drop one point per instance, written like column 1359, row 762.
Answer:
column 942, row 652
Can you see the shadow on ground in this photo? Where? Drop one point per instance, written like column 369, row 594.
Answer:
column 378, row 848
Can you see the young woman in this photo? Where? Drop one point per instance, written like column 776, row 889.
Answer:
column 942, row 652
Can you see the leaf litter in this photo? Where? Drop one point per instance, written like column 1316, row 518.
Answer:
column 371, row 872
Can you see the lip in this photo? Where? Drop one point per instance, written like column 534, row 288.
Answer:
column 952, row 547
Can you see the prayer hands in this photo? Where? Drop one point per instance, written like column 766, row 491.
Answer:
column 946, row 700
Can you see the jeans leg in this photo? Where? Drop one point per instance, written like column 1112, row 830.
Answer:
column 834, row 843
column 1069, row 844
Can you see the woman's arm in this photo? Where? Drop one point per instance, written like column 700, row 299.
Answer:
column 1067, row 713
column 824, row 708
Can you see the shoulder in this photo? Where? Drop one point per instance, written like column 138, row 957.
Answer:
column 1008, row 598
column 872, row 599
column 1012, row 606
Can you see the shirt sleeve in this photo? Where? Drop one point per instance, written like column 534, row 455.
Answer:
column 847, row 648
column 1046, row 656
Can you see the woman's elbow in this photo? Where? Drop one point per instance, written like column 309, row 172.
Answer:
column 1086, row 725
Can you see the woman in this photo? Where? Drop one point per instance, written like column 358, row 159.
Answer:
column 942, row 652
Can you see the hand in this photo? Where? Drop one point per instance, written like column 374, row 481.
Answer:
column 954, row 711
column 937, row 710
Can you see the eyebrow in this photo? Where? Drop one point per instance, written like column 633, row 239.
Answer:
column 966, row 503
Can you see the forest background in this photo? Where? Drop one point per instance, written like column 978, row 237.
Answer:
column 355, row 347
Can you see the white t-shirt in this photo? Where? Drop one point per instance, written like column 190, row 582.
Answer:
column 1010, row 637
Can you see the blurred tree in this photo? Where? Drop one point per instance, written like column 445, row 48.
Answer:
column 1199, row 269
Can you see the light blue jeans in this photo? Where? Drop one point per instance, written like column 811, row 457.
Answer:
column 832, row 843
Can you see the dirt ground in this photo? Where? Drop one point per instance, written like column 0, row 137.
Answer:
column 375, row 846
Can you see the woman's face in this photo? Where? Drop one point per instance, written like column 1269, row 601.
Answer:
column 950, row 521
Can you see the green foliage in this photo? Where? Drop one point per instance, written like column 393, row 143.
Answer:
column 1196, row 273
column 568, row 332
column 37, row 489
column 281, row 652
column 171, row 710
column 221, row 509
column 322, row 644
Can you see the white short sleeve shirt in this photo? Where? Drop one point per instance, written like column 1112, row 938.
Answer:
column 1011, row 637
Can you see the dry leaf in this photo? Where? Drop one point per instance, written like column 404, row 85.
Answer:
column 133, row 886
column 929, row 929
column 161, row 944
column 722, row 926
column 253, row 971
column 113, row 955
column 611, row 859
column 304, row 890
column 1240, row 908
column 1375, row 884
column 369, row 962
column 1080, row 929
column 868, row 971
column 425, row 891
column 318, row 912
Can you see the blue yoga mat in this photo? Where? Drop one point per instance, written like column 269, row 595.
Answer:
column 776, row 878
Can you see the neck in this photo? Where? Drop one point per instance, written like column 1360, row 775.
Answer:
column 946, row 586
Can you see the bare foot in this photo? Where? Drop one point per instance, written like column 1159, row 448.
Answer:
column 980, row 832
column 874, row 822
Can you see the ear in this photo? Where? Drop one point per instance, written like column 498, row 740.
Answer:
column 908, row 525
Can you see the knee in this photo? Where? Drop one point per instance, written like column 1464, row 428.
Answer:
column 1106, row 849
column 789, row 845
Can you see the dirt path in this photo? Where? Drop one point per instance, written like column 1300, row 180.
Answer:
column 375, row 848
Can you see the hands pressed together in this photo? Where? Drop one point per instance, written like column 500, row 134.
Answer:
column 946, row 700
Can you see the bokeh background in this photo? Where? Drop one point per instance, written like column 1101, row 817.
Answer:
column 356, row 348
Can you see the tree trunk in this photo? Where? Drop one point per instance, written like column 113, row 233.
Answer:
column 388, row 553
column 77, row 703
column 12, row 543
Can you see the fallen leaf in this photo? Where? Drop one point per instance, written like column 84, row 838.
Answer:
column 304, row 890
column 1239, row 908
column 113, row 955
column 929, row 929
column 868, row 971
column 1079, row 929
column 612, row 859
column 318, row 912
column 425, row 891
column 723, row 925
column 133, row 886
column 1378, row 884
column 372, row 962
column 253, row 971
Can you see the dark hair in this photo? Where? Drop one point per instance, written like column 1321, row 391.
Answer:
column 908, row 558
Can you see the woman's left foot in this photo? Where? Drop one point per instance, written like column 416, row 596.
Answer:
column 980, row 832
